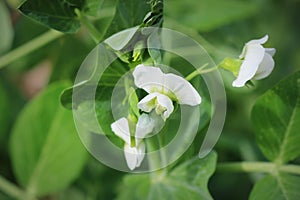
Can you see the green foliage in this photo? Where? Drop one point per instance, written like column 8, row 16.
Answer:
column 46, row 152
column 60, row 14
column 282, row 187
column 56, row 14
column 92, row 7
column 207, row 15
column 187, row 181
column 128, row 14
column 84, row 105
column 6, row 34
column 276, row 119
column 154, row 41
column 133, row 103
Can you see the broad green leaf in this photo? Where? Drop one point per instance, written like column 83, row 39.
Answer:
column 276, row 120
column 280, row 187
column 56, row 14
column 82, row 91
column 45, row 149
column 207, row 15
column 128, row 14
column 97, row 181
column 6, row 33
column 187, row 181
column 85, row 107
column 134, row 187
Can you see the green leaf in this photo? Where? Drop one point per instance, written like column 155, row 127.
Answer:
column 46, row 152
column 188, row 181
column 207, row 15
column 280, row 187
column 82, row 91
column 128, row 14
column 56, row 14
column 92, row 7
column 104, row 109
column 133, row 102
column 84, row 106
column 6, row 33
column 276, row 120
column 154, row 41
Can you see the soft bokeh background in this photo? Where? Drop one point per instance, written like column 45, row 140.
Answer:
column 221, row 26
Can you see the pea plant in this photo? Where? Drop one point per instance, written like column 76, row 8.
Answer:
column 149, row 99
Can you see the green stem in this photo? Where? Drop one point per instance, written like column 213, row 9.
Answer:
column 293, row 169
column 162, row 154
column 265, row 167
column 89, row 26
column 209, row 70
column 29, row 47
column 12, row 190
column 200, row 70
column 155, row 161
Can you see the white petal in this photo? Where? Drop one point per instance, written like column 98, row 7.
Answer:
column 148, row 102
column 141, row 148
column 243, row 54
column 253, row 58
column 149, row 78
column 131, row 156
column 256, row 41
column 152, row 79
column 265, row 68
column 144, row 126
column 259, row 41
column 270, row 51
column 121, row 129
column 183, row 90
column 163, row 104
column 134, row 155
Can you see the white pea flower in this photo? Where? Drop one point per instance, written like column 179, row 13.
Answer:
column 134, row 148
column 258, row 62
column 163, row 89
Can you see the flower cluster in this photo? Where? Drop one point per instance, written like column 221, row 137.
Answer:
column 254, row 63
column 163, row 90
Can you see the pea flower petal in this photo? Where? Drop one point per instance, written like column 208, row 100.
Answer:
column 144, row 126
column 121, row 129
column 160, row 102
column 134, row 153
column 161, row 86
column 258, row 62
